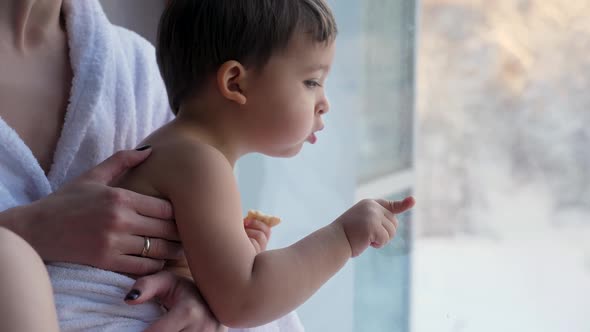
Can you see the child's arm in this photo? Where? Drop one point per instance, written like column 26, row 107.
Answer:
column 242, row 288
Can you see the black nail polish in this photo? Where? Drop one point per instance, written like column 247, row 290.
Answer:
column 133, row 295
column 145, row 147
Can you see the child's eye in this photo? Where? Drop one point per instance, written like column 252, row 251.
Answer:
column 312, row 84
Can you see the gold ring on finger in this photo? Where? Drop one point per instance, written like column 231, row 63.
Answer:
column 147, row 245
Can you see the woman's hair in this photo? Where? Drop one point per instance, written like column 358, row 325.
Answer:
column 195, row 37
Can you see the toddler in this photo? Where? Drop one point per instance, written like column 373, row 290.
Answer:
column 243, row 77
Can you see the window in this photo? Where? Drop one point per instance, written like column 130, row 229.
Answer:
column 386, row 159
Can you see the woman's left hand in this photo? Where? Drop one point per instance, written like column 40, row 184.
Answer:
column 187, row 311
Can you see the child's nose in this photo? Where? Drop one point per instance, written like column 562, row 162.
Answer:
column 323, row 107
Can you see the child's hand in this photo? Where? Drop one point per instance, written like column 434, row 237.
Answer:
column 372, row 222
column 258, row 232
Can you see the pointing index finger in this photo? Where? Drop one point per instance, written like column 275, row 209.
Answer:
column 397, row 207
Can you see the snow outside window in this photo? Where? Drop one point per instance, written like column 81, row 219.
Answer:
column 503, row 221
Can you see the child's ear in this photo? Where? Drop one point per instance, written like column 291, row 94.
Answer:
column 231, row 79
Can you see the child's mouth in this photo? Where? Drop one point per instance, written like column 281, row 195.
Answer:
column 312, row 139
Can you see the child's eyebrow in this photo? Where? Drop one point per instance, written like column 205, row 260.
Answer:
column 317, row 67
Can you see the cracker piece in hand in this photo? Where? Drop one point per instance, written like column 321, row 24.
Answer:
column 271, row 221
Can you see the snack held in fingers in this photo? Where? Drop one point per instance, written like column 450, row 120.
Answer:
column 271, row 221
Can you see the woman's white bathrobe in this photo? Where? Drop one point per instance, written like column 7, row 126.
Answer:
column 117, row 99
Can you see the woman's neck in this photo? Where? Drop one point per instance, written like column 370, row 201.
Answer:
column 27, row 24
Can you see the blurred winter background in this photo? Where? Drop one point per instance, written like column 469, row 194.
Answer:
column 502, row 232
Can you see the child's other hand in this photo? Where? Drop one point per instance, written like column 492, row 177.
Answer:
column 372, row 222
column 258, row 232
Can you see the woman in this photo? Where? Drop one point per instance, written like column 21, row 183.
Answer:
column 74, row 90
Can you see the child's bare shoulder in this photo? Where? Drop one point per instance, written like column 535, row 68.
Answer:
column 175, row 162
column 187, row 162
column 186, row 153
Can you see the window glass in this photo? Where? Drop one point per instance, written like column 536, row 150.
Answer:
column 503, row 228
column 382, row 282
column 386, row 113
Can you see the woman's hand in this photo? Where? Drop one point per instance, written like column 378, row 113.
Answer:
column 187, row 310
column 258, row 232
column 89, row 222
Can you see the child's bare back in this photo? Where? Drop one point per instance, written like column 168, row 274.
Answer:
column 175, row 155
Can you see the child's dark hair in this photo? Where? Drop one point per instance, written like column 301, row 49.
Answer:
column 195, row 37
